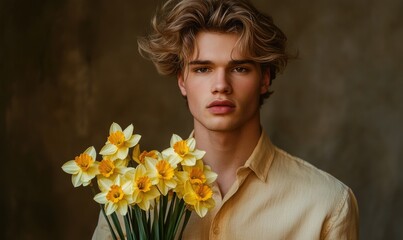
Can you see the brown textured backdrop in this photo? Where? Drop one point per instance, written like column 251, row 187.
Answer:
column 69, row 68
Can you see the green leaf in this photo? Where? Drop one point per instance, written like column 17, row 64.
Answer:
column 117, row 225
column 174, row 198
column 176, row 218
column 170, row 216
column 180, row 212
column 155, row 231
column 134, row 223
column 185, row 222
column 129, row 233
column 140, row 220
column 162, row 212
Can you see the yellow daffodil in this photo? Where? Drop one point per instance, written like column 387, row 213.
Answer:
column 200, row 197
column 175, row 176
column 183, row 151
column 111, row 169
column 144, row 189
column 163, row 171
column 83, row 168
column 200, row 173
column 117, row 195
column 118, row 143
column 140, row 157
column 197, row 174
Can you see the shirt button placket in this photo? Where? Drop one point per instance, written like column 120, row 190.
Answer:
column 216, row 231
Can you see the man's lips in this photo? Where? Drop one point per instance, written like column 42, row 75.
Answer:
column 221, row 106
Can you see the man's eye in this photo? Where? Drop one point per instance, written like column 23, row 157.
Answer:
column 240, row 69
column 201, row 70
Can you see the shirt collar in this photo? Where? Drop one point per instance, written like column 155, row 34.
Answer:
column 261, row 158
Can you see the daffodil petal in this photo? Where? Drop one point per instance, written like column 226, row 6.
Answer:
column 86, row 178
column 168, row 152
column 201, row 211
column 141, row 169
column 71, row 167
column 104, row 184
column 189, row 161
column 91, row 152
column 210, row 176
column 191, row 142
column 93, row 170
column 76, row 179
column 114, row 128
column 86, row 183
column 133, row 140
column 127, row 188
column 150, row 163
column 199, row 154
column 110, row 208
column 145, row 205
column 101, row 198
column 122, row 207
column 117, row 181
column 128, row 132
column 174, row 160
column 122, row 152
column 108, row 149
column 174, row 139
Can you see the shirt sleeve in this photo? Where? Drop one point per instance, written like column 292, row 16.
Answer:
column 343, row 224
column 102, row 231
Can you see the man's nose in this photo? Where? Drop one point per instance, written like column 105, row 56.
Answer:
column 221, row 82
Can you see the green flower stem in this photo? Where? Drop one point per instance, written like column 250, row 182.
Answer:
column 176, row 218
column 179, row 218
column 134, row 223
column 185, row 222
column 129, row 232
column 171, row 207
column 155, row 231
column 138, row 214
column 117, row 225
column 162, row 212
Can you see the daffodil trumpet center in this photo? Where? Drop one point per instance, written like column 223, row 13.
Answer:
column 203, row 192
column 84, row 161
column 117, row 138
column 165, row 171
column 143, row 183
column 181, row 148
column 197, row 176
column 115, row 194
column 106, row 167
column 145, row 154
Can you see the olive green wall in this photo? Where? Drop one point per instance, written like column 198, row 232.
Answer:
column 70, row 68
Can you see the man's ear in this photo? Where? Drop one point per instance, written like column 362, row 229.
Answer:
column 181, row 83
column 265, row 84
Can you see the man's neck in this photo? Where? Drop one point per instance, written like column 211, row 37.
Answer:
column 226, row 151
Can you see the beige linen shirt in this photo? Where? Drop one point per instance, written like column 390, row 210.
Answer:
column 275, row 196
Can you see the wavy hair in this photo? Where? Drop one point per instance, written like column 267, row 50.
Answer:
column 176, row 24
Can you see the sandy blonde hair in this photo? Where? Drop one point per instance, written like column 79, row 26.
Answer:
column 176, row 24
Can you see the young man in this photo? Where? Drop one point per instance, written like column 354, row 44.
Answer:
column 225, row 54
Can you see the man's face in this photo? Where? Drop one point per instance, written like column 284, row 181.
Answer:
column 222, row 86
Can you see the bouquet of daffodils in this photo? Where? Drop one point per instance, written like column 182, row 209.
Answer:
column 154, row 192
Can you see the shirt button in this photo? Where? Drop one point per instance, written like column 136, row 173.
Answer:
column 216, row 230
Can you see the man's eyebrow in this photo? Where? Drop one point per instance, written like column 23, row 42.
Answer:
column 232, row 62
column 200, row 62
